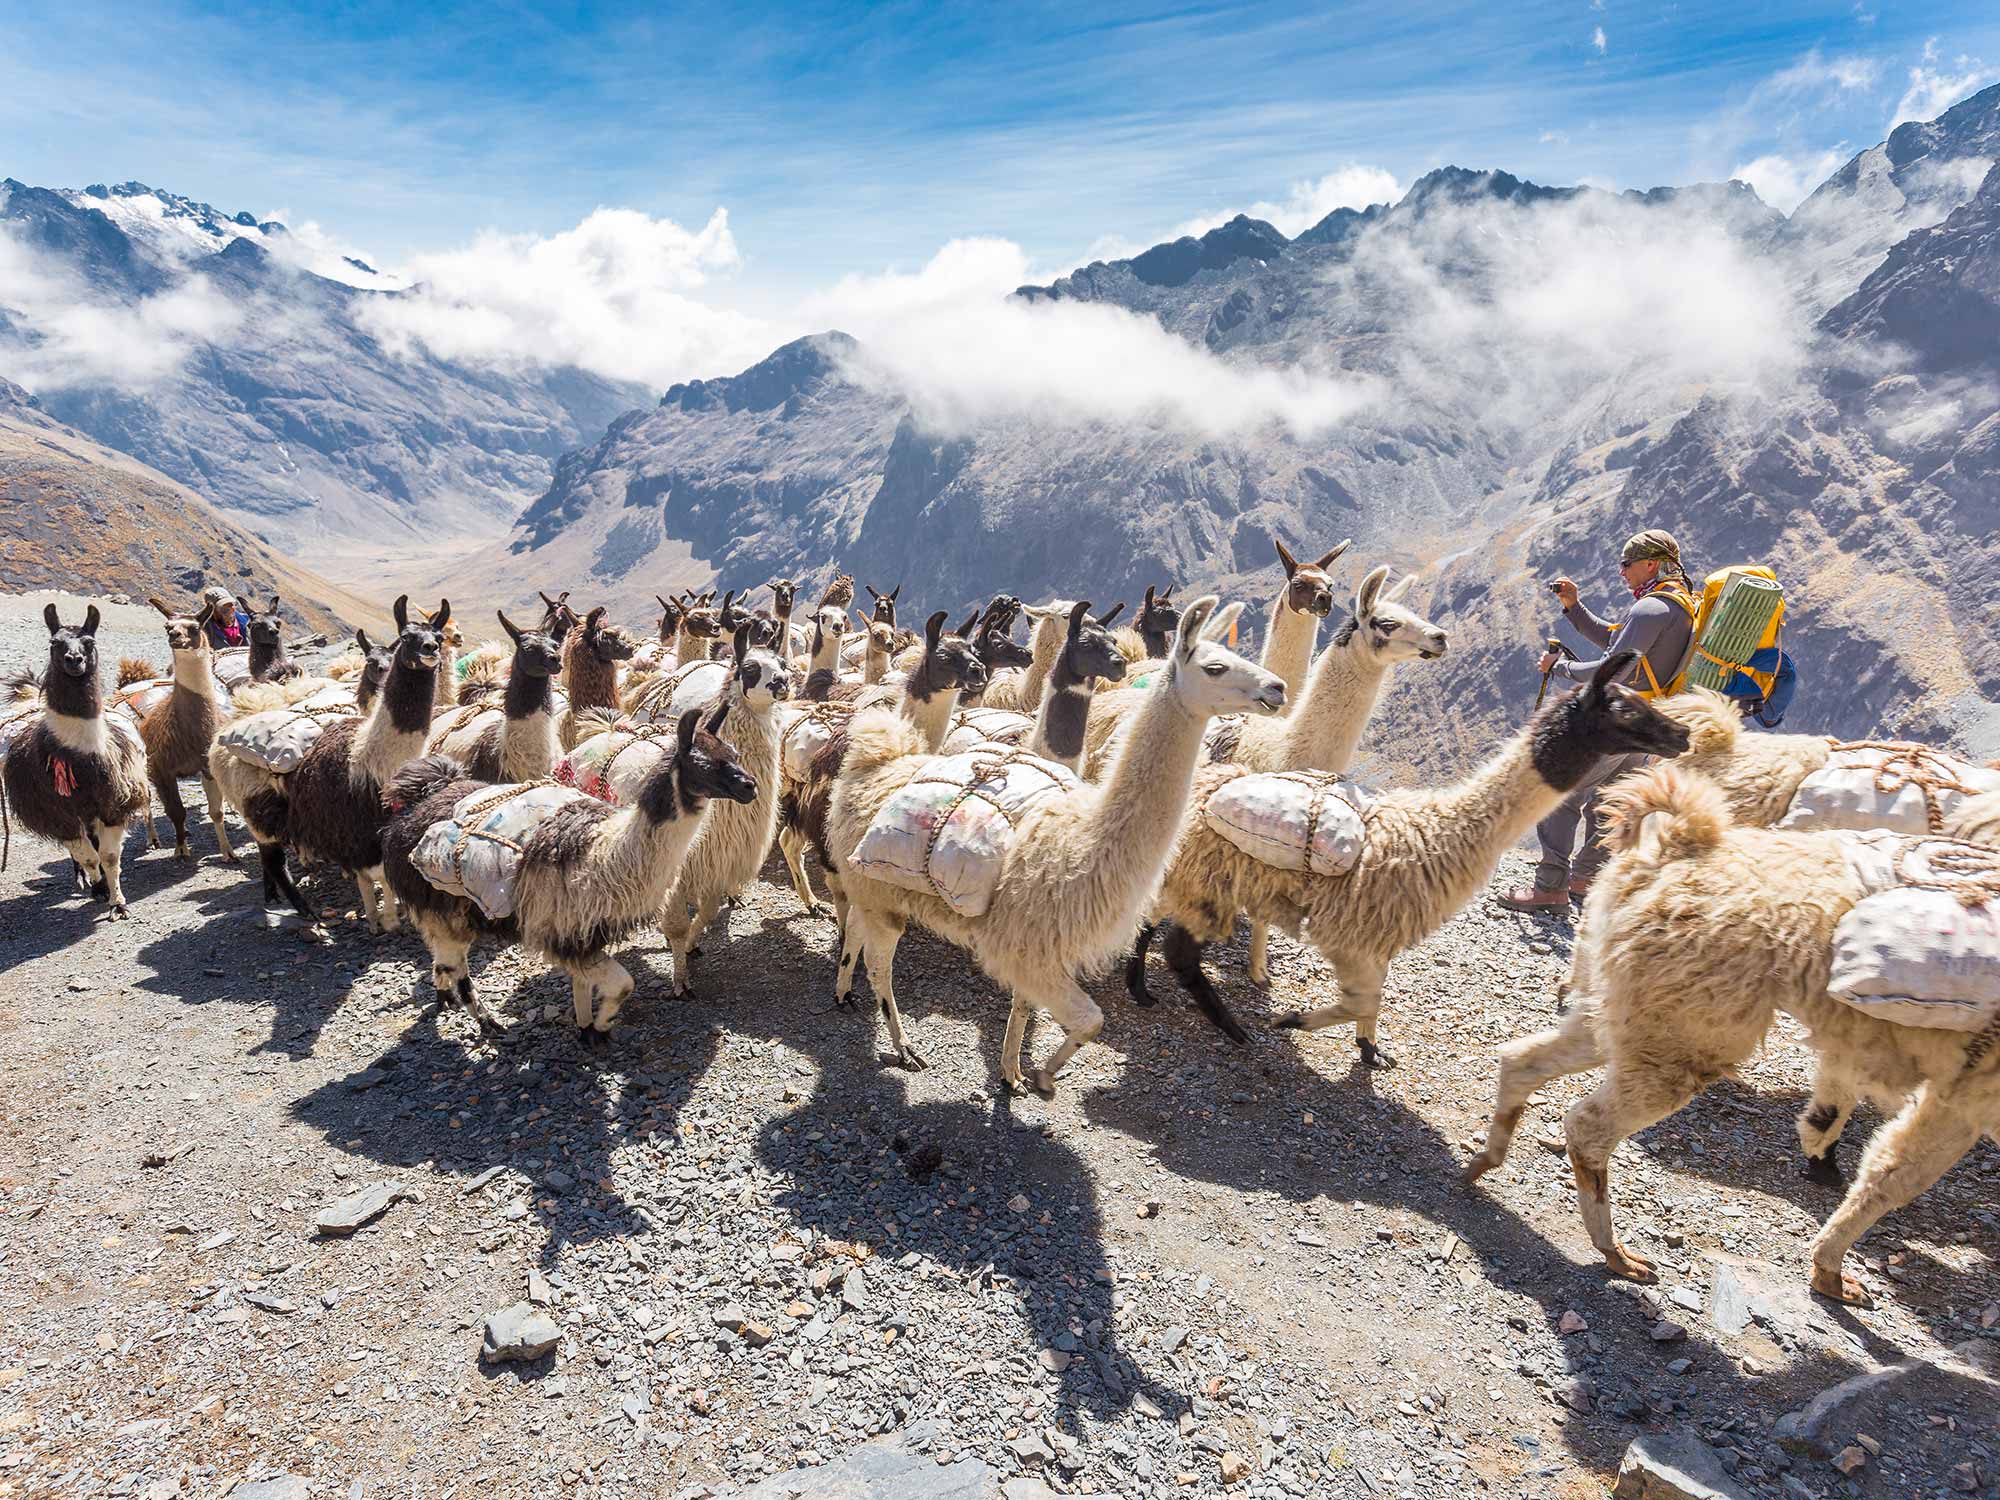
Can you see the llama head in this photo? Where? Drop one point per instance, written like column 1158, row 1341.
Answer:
column 1570, row 735
column 1159, row 617
column 1002, row 613
column 701, row 621
column 882, row 638
column 556, row 611
column 419, row 642
column 702, row 767
column 670, row 618
column 885, row 604
column 949, row 664
column 765, row 628
column 376, row 659
column 839, row 592
column 607, row 643
column 72, row 648
column 267, row 627
column 1209, row 679
column 1386, row 630
column 1091, row 650
column 185, row 633
column 537, row 653
column 758, row 677
column 784, row 593
column 1308, row 591
column 732, row 615
column 994, row 640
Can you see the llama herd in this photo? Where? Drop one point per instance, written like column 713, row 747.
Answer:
column 1050, row 808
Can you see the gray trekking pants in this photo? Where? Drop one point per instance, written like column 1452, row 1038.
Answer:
column 1562, row 861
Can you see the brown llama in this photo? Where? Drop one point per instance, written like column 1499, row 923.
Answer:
column 177, row 730
column 591, row 654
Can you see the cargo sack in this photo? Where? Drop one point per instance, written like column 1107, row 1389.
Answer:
column 692, row 685
column 656, row 656
column 455, row 731
column 804, row 729
column 279, row 738
column 950, row 829
column 613, row 765
column 1922, row 947
column 1292, row 820
column 141, row 698
column 971, row 727
column 1909, row 789
column 476, row 852
column 232, row 667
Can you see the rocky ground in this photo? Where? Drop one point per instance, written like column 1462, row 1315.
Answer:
column 1201, row 1269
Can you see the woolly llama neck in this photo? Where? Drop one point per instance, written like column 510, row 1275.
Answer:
column 1325, row 730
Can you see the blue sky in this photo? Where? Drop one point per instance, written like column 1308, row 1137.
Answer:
column 846, row 139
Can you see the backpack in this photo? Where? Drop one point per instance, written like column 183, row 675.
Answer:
column 1738, row 625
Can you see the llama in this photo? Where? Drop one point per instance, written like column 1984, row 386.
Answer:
column 821, row 667
column 1021, row 690
column 589, row 876
column 1082, row 866
column 74, row 774
column 268, row 659
column 927, row 699
column 1305, row 600
column 444, row 691
column 330, row 805
column 176, row 731
column 885, row 605
column 994, row 644
column 1089, row 652
column 1695, row 934
column 375, row 664
column 591, row 654
column 736, row 837
column 518, row 742
column 1424, row 854
column 1152, row 629
column 878, row 654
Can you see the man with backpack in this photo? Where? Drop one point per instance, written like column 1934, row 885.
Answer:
column 1660, row 627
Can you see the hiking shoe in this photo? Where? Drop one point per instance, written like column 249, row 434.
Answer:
column 1534, row 899
column 1578, row 889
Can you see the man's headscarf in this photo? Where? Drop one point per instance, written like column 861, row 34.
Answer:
column 1653, row 545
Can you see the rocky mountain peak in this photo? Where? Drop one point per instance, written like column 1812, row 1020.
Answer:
column 787, row 372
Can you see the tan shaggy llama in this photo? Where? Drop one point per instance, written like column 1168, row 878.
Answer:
column 1082, row 867
column 1697, row 933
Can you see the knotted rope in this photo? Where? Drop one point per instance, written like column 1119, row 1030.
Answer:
column 1904, row 764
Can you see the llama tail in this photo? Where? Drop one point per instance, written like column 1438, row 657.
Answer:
column 877, row 736
column 1711, row 721
column 420, row 778
column 133, row 669
column 23, row 685
column 1682, row 814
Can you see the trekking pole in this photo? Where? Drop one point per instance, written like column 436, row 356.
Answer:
column 1560, row 650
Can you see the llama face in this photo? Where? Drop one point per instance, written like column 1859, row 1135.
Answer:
column 783, row 592
column 1620, row 722
column 266, row 628
column 606, row 642
column 1158, row 617
column 537, row 653
column 1092, row 650
column 998, row 649
column 72, row 648
column 885, row 604
column 1389, row 630
column 670, row 618
column 420, row 642
column 763, row 679
column 1210, row 679
column 376, row 659
column 712, row 770
column 1308, row 590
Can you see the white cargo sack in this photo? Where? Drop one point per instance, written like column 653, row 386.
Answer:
column 1909, row 789
column 16, row 719
column 1292, row 820
column 986, row 726
column 476, row 852
column 456, row 731
column 613, row 765
column 1922, row 946
column 692, row 685
column 232, row 667
column 804, row 729
column 949, row 830
column 279, row 738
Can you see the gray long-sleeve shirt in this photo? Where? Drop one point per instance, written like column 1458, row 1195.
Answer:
column 1655, row 626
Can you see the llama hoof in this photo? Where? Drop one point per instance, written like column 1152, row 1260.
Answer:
column 911, row 1060
column 1291, row 1020
column 1837, row 1286
column 1015, row 1087
column 1373, row 1057
column 1045, row 1083
column 1260, row 974
column 100, row 890
column 1824, row 1169
column 590, row 1039
column 1477, row 1168
column 844, row 1002
column 183, row 852
column 119, row 913
column 1622, row 1262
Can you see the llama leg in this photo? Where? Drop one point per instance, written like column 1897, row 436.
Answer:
column 878, row 946
column 1135, row 966
column 110, row 839
column 278, row 882
column 1360, row 981
column 1183, row 953
column 792, row 844
column 84, row 865
column 1628, row 1100
column 365, row 884
column 386, row 907
column 1821, row 1122
column 850, row 956
column 152, row 827
column 582, row 997
column 1010, row 1047
column 1081, row 1021
column 1525, row 1066
column 1906, row 1156
column 1260, row 953
column 213, row 795
column 615, row 983
column 170, row 799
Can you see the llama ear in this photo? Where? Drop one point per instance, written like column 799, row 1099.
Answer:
column 970, row 621
column 1147, row 607
column 560, row 628
column 1610, row 670
column 933, row 629
column 154, row 600
column 1189, row 634
column 1219, row 623
column 663, row 604
column 361, row 640
column 594, row 621
column 1328, row 561
column 871, row 592
column 1400, row 587
column 1285, row 557
column 274, row 605
column 508, row 626
column 1111, row 614
column 402, row 613
column 684, row 732
column 51, row 618
column 740, row 643
column 861, row 620
column 894, row 592
column 1371, row 588
column 1077, row 614
column 443, row 617
column 90, row 618
column 717, row 714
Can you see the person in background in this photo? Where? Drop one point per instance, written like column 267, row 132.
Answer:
column 227, row 625
column 1659, row 625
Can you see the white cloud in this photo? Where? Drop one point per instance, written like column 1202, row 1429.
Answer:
column 1933, row 89
column 615, row 295
column 1555, row 138
column 76, row 337
column 951, row 341
column 1817, row 74
column 1785, row 182
column 1351, row 186
column 1597, row 38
